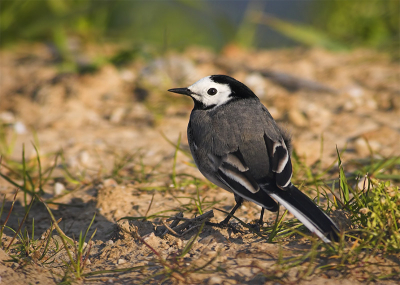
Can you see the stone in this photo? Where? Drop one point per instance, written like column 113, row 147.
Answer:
column 84, row 158
column 7, row 117
column 121, row 261
column 110, row 183
column 59, row 188
column 117, row 115
column 127, row 75
column 19, row 128
column 214, row 280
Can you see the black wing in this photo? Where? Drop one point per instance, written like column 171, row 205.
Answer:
column 281, row 164
column 232, row 171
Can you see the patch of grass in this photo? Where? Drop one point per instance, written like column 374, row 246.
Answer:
column 31, row 172
column 363, row 190
column 373, row 213
column 23, row 248
column 78, row 251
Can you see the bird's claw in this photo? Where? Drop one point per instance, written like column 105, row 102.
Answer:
column 256, row 227
column 223, row 225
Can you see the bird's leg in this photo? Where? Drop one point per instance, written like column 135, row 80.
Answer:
column 239, row 201
column 261, row 220
column 257, row 226
column 224, row 223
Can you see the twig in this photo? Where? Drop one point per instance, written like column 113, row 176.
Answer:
column 49, row 230
column 175, row 222
column 169, row 229
column 151, row 203
column 186, row 226
column 194, row 223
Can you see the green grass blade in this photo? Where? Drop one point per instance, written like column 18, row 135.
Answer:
column 344, row 189
column 88, row 228
column 41, row 192
column 190, row 243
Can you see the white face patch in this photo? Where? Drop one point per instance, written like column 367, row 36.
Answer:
column 201, row 89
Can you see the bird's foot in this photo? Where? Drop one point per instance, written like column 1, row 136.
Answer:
column 256, row 226
column 225, row 225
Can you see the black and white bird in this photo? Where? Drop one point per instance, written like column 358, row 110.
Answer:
column 237, row 145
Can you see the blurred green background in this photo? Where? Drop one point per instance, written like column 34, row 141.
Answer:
column 176, row 24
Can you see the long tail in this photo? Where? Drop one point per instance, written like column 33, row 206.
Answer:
column 304, row 209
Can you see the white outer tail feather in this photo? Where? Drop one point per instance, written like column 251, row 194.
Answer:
column 302, row 218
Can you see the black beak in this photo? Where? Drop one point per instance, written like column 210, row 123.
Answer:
column 184, row 91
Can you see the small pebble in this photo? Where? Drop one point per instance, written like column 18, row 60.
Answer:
column 84, row 157
column 355, row 92
column 19, row 128
column 127, row 75
column 206, row 239
column 121, row 261
column 117, row 115
column 214, row 280
column 7, row 117
column 149, row 236
column 58, row 188
column 110, row 183
column 363, row 183
column 332, row 273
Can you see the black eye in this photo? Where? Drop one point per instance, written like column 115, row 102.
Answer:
column 212, row 91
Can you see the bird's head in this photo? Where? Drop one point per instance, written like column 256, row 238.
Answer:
column 215, row 90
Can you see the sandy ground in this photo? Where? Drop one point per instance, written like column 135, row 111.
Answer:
column 120, row 114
